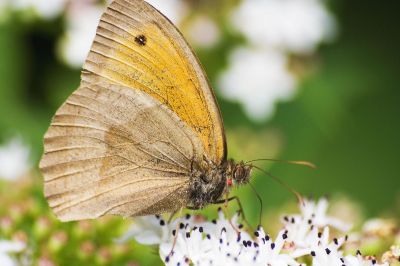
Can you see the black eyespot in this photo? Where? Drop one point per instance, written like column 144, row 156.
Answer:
column 141, row 40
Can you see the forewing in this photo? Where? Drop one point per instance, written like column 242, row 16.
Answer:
column 137, row 47
column 114, row 150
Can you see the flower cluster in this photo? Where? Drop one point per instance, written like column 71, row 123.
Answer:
column 31, row 235
column 305, row 239
column 258, row 74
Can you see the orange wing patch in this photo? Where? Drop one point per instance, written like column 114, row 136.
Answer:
column 137, row 47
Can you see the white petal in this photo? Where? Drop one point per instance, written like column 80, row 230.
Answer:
column 14, row 160
column 145, row 230
column 257, row 79
column 11, row 246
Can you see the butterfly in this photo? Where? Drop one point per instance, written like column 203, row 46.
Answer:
column 143, row 133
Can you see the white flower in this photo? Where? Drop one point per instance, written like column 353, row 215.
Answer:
column 14, row 160
column 82, row 19
column 268, row 252
column 191, row 240
column 321, row 249
column 305, row 226
column 292, row 25
column 220, row 242
column 359, row 260
column 257, row 79
column 175, row 10
column 44, row 8
column 315, row 213
column 7, row 247
column 203, row 32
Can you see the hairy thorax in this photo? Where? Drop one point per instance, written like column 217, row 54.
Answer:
column 208, row 183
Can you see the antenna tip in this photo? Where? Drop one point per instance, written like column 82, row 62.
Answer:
column 306, row 163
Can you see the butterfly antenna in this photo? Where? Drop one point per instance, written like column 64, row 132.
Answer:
column 294, row 192
column 260, row 200
column 303, row 163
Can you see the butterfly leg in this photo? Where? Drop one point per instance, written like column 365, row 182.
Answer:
column 241, row 210
column 172, row 215
column 174, row 232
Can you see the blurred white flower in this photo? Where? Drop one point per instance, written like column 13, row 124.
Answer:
column 175, row 10
column 14, row 160
column 47, row 9
column 257, row 78
column 292, row 25
column 379, row 227
column 393, row 255
column 276, row 28
column 203, row 32
column 7, row 247
column 82, row 19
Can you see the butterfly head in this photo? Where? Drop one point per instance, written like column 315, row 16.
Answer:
column 238, row 174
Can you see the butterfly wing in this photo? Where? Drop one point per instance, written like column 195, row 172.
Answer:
column 114, row 150
column 137, row 47
column 124, row 143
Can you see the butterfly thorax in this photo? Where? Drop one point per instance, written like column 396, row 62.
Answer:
column 210, row 182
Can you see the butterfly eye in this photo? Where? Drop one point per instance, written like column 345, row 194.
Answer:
column 229, row 182
column 241, row 174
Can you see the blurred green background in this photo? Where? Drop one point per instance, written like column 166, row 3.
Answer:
column 345, row 116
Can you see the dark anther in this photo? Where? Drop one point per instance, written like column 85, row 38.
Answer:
column 328, row 251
